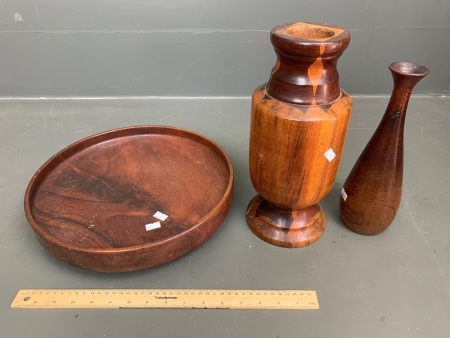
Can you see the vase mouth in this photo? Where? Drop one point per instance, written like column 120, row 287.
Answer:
column 409, row 68
column 310, row 33
column 305, row 31
column 309, row 39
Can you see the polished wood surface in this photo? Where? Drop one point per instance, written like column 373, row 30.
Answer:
column 298, row 126
column 90, row 203
column 305, row 72
column 372, row 192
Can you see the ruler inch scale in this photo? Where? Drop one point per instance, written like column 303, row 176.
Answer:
column 165, row 298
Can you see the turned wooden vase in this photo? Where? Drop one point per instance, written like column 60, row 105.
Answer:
column 372, row 192
column 298, row 126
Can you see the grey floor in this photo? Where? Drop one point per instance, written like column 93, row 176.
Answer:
column 395, row 284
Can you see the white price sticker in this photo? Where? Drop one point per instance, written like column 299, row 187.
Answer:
column 330, row 155
column 344, row 194
column 152, row 226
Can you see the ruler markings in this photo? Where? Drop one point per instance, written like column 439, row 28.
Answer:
column 165, row 298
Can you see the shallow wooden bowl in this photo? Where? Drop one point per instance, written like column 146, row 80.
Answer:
column 92, row 205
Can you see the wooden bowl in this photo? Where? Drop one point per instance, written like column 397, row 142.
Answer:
column 95, row 204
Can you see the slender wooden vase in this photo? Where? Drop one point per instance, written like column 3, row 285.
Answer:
column 372, row 192
column 298, row 126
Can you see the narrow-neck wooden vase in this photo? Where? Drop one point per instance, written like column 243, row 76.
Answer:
column 372, row 192
column 298, row 126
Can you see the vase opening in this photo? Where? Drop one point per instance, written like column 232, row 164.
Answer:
column 309, row 32
column 409, row 68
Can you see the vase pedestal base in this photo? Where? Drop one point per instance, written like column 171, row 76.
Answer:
column 284, row 227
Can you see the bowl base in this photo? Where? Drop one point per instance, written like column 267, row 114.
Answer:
column 284, row 227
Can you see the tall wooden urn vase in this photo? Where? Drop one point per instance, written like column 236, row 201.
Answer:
column 298, row 125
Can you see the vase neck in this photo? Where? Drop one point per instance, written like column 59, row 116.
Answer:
column 305, row 71
column 406, row 75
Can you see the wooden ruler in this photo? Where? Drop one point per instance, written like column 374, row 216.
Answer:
column 165, row 298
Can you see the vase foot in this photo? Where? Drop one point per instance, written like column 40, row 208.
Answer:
column 285, row 228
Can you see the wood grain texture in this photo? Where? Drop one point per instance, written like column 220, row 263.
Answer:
column 298, row 117
column 307, row 53
column 89, row 204
column 373, row 189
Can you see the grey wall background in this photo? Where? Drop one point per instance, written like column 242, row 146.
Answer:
column 204, row 47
